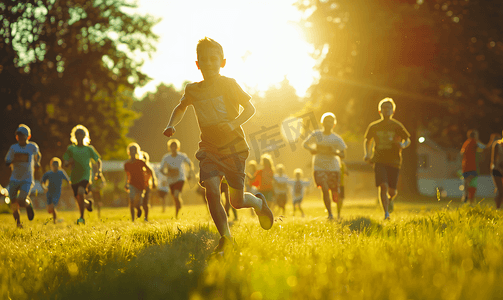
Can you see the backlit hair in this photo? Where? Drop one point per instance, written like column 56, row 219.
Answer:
column 387, row 100
column 146, row 156
column 138, row 150
column 298, row 171
column 55, row 159
column 82, row 128
column 207, row 43
column 328, row 114
column 177, row 142
column 280, row 167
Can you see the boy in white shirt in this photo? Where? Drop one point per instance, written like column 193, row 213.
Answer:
column 281, row 185
column 327, row 148
column 173, row 165
column 299, row 186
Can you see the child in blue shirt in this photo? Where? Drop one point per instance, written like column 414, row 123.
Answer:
column 55, row 177
column 23, row 157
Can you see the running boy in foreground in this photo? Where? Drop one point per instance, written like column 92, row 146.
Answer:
column 223, row 148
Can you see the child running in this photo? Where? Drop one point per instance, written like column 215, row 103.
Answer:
column 135, row 169
column 55, row 178
column 79, row 156
column 150, row 183
column 497, row 170
column 97, row 187
column 327, row 148
column 390, row 138
column 281, row 186
column 223, row 149
column 471, row 151
column 174, row 167
column 263, row 178
column 299, row 186
column 22, row 157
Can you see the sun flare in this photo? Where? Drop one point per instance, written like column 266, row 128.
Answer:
column 261, row 43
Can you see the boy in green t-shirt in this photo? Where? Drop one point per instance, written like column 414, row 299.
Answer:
column 79, row 156
column 223, row 149
column 390, row 138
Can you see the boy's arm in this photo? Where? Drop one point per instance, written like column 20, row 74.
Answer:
column 152, row 173
column 307, row 144
column 405, row 143
column 245, row 115
column 176, row 117
column 38, row 158
column 9, row 158
column 99, row 174
column 367, row 149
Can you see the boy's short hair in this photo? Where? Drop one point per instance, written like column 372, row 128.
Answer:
column 280, row 167
column 209, row 43
column 298, row 171
column 472, row 133
column 24, row 129
column 171, row 141
column 80, row 127
column 138, row 149
column 387, row 100
column 55, row 159
column 328, row 114
column 252, row 163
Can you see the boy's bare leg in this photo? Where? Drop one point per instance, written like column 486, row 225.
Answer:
column 133, row 203
column 383, row 195
column 51, row 210
column 80, row 201
column 145, row 208
column 326, row 200
column 15, row 212
column 499, row 186
column 240, row 199
column 335, row 195
column 217, row 211
column 177, row 198
column 467, row 185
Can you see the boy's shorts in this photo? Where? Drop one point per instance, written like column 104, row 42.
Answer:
column 281, row 199
column 19, row 185
column 134, row 192
column 178, row 186
column 470, row 173
column 231, row 166
column 331, row 178
column 386, row 174
column 84, row 184
column 53, row 198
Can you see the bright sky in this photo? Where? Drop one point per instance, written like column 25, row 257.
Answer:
column 259, row 37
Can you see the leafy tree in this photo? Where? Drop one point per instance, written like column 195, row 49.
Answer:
column 418, row 53
column 64, row 63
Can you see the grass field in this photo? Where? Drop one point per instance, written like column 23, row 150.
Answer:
column 429, row 250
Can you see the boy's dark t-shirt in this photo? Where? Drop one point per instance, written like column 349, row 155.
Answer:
column 387, row 135
column 215, row 104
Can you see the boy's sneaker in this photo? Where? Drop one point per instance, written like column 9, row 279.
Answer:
column 89, row 205
column 391, row 206
column 29, row 210
column 20, row 226
column 386, row 216
column 81, row 221
column 265, row 216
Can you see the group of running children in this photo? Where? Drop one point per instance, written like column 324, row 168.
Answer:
column 222, row 107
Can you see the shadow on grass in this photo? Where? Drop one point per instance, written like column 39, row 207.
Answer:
column 362, row 225
column 169, row 271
